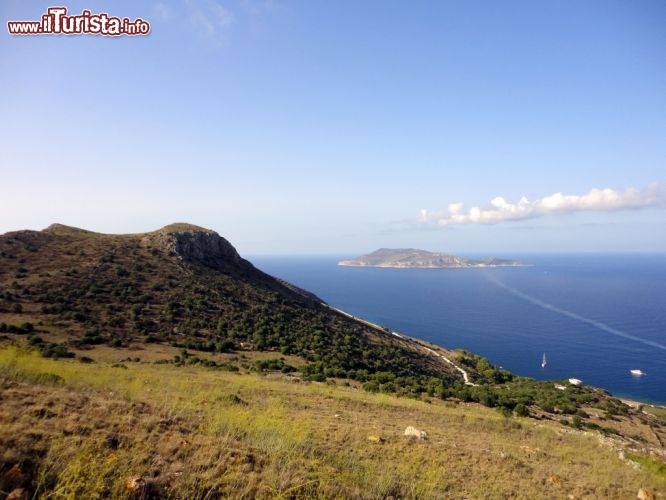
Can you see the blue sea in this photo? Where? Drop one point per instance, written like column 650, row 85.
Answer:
column 595, row 316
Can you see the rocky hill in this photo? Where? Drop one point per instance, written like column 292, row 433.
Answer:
column 413, row 258
column 184, row 286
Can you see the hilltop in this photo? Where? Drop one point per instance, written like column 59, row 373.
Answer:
column 128, row 357
column 414, row 258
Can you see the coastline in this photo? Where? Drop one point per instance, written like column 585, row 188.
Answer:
column 447, row 317
column 433, row 348
column 429, row 347
column 633, row 403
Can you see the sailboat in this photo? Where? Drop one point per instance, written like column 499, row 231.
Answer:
column 543, row 360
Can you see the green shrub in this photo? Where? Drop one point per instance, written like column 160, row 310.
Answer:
column 521, row 410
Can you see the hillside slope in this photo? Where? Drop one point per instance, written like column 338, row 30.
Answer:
column 143, row 430
column 186, row 286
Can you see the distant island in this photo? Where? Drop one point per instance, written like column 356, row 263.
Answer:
column 414, row 258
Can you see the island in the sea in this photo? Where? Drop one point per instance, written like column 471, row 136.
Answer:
column 414, row 258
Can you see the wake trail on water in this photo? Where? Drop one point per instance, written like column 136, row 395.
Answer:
column 597, row 324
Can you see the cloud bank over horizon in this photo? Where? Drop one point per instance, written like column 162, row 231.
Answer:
column 500, row 210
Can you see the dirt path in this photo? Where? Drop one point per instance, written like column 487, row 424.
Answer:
column 384, row 330
column 463, row 372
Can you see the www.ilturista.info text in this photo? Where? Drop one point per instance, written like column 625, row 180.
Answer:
column 56, row 22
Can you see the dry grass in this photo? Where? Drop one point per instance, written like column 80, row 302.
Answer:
column 84, row 431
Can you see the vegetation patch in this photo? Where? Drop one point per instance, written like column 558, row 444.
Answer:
column 191, row 432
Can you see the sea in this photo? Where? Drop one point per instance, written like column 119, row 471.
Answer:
column 595, row 317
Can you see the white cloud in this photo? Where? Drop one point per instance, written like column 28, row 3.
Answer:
column 500, row 209
column 212, row 20
column 258, row 7
column 163, row 11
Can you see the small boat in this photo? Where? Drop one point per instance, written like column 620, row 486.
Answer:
column 637, row 373
column 543, row 361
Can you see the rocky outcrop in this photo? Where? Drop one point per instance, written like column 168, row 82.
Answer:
column 415, row 433
column 198, row 245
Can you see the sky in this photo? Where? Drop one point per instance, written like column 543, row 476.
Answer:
column 308, row 127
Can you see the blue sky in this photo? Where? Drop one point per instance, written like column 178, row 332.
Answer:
column 340, row 127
